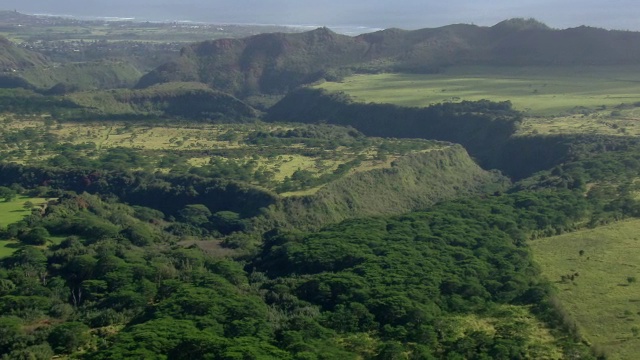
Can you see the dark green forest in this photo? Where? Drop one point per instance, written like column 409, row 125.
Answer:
column 121, row 283
column 120, row 287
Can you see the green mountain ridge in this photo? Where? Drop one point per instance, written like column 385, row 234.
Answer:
column 276, row 63
column 186, row 100
column 414, row 182
column 267, row 63
column 93, row 75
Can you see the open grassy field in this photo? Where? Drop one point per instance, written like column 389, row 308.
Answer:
column 535, row 90
column 604, row 298
column 8, row 247
column 11, row 212
column 14, row 211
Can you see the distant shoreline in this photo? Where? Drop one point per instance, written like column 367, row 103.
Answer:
column 341, row 29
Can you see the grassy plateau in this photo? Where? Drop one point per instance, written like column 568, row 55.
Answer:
column 180, row 147
column 537, row 91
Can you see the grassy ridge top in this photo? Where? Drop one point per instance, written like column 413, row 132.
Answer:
column 321, row 173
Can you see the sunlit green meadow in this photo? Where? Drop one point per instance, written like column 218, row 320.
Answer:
column 604, row 296
column 14, row 210
column 534, row 90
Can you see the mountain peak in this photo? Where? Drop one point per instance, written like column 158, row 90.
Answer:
column 323, row 30
column 322, row 33
column 520, row 24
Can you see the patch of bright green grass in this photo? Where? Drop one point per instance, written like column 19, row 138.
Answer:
column 14, row 210
column 535, row 90
column 604, row 298
column 56, row 240
column 8, row 247
column 11, row 212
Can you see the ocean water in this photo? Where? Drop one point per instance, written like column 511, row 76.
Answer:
column 350, row 15
column 331, row 13
column 351, row 30
column 353, row 16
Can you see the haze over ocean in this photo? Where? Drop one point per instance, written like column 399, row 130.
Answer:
column 407, row 14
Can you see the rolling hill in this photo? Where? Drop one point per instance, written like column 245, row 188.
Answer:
column 30, row 70
column 276, row 63
column 12, row 58
column 91, row 75
column 185, row 100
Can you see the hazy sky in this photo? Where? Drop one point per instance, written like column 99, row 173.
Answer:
column 408, row 14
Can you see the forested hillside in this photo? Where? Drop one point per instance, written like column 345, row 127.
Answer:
column 184, row 100
column 266, row 63
column 373, row 288
column 175, row 101
column 119, row 272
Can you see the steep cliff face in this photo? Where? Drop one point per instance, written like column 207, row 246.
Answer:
column 482, row 127
column 413, row 182
column 487, row 130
